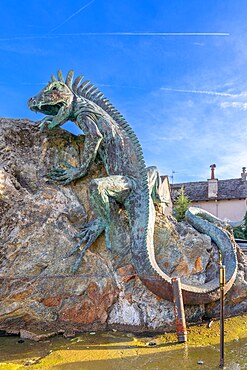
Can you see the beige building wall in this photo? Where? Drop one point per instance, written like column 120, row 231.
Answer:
column 165, row 192
column 232, row 210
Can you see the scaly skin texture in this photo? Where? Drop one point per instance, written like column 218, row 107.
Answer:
column 129, row 183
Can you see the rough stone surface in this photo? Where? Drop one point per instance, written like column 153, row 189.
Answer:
column 37, row 337
column 38, row 222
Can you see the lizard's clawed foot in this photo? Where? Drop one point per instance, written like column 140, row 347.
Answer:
column 64, row 175
column 43, row 122
column 88, row 235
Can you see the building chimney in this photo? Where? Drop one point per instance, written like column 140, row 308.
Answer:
column 244, row 174
column 212, row 184
column 213, row 166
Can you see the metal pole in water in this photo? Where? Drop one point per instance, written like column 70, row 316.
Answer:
column 222, row 285
column 179, row 310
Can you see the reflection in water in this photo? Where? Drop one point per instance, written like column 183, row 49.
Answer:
column 186, row 352
column 108, row 351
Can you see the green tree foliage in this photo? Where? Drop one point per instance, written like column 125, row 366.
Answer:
column 240, row 232
column 181, row 205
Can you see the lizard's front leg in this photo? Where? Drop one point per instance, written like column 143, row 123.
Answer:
column 92, row 141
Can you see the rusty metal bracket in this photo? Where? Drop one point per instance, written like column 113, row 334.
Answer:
column 179, row 310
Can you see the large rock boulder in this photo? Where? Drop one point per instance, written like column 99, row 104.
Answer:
column 38, row 221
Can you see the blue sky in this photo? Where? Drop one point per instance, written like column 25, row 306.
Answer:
column 177, row 71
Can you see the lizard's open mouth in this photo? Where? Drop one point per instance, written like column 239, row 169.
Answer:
column 50, row 109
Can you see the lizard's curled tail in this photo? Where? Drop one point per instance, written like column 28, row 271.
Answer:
column 159, row 282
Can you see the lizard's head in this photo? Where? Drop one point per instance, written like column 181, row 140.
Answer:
column 53, row 97
column 55, row 100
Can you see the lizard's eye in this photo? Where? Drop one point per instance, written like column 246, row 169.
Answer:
column 54, row 88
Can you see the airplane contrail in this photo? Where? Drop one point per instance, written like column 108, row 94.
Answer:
column 146, row 34
column 152, row 34
column 207, row 92
column 71, row 16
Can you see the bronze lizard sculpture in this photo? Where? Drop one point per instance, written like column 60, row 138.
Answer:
column 129, row 183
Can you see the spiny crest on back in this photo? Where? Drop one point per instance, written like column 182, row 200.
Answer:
column 87, row 90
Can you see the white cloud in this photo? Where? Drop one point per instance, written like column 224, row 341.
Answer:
column 199, row 43
column 231, row 164
column 192, row 132
column 234, row 104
